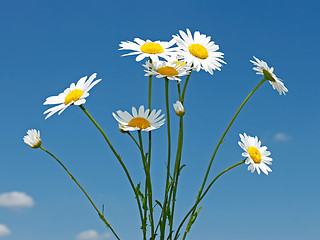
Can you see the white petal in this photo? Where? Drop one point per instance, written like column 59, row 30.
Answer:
column 134, row 112
column 141, row 111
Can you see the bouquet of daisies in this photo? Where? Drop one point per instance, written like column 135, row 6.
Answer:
column 173, row 61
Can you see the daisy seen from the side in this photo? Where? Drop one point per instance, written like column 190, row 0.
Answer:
column 199, row 51
column 179, row 109
column 262, row 68
column 147, row 48
column 140, row 120
column 257, row 156
column 171, row 69
column 75, row 94
column 33, row 138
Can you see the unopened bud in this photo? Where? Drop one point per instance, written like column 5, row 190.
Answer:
column 33, row 138
column 178, row 107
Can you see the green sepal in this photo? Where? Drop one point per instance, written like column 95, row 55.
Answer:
column 192, row 219
column 268, row 75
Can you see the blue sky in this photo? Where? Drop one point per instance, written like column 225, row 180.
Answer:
column 47, row 45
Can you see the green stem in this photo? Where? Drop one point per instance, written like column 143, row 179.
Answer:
column 164, row 207
column 179, row 91
column 150, row 88
column 149, row 147
column 203, row 195
column 224, row 171
column 135, row 141
column 185, row 87
column 146, row 196
column 85, row 193
column 222, row 138
column 148, row 183
column 119, row 159
column 176, row 171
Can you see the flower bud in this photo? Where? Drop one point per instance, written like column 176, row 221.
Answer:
column 178, row 107
column 33, row 138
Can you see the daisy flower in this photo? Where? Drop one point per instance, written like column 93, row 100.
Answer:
column 257, row 156
column 172, row 70
column 141, row 120
column 263, row 69
column 75, row 94
column 179, row 109
column 144, row 49
column 33, row 138
column 199, row 51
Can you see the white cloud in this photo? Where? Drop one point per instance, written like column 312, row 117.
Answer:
column 92, row 235
column 4, row 231
column 282, row 137
column 15, row 200
column 107, row 235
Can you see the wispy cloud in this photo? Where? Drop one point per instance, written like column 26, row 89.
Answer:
column 4, row 231
column 283, row 137
column 92, row 235
column 16, row 200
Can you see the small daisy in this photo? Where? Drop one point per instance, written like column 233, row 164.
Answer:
column 263, row 69
column 178, row 107
column 75, row 94
column 139, row 120
column 256, row 155
column 33, row 138
column 144, row 49
column 199, row 51
column 172, row 70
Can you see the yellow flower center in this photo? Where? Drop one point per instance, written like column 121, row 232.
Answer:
column 167, row 71
column 254, row 154
column 198, row 51
column 139, row 122
column 151, row 48
column 73, row 96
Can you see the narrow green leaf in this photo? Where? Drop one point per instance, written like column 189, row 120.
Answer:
column 159, row 203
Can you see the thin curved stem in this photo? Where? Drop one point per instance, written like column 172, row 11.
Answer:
column 85, row 193
column 224, row 171
column 118, row 157
column 185, row 87
column 135, row 141
column 203, row 195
